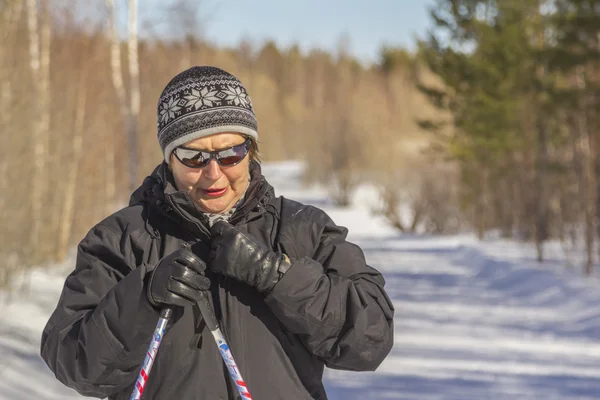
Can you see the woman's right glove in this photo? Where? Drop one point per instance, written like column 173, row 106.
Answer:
column 178, row 280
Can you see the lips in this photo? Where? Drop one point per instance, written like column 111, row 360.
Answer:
column 214, row 192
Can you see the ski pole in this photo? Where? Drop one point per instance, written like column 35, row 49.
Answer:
column 161, row 326
column 211, row 322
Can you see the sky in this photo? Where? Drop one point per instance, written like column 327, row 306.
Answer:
column 310, row 23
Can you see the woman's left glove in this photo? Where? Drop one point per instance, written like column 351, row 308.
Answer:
column 239, row 256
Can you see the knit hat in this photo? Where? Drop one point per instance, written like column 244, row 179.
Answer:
column 203, row 101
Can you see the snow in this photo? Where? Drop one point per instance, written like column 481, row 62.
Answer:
column 474, row 319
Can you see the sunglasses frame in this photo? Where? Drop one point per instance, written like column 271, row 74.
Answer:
column 215, row 154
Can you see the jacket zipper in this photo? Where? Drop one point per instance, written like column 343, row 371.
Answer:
column 223, row 281
column 216, row 297
column 201, row 228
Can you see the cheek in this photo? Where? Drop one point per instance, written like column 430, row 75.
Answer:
column 185, row 178
column 238, row 177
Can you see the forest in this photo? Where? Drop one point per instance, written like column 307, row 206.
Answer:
column 489, row 126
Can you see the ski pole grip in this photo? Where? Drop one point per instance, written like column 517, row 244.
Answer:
column 207, row 312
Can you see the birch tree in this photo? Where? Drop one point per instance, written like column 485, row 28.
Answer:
column 117, row 79
column 130, row 110
column 39, row 52
column 588, row 186
column 68, row 205
column 134, row 109
column 9, row 18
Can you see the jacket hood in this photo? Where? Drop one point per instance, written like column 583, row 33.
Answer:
column 152, row 187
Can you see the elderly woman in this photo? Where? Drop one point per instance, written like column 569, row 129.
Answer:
column 290, row 293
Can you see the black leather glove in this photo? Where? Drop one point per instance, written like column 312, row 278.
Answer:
column 178, row 280
column 239, row 256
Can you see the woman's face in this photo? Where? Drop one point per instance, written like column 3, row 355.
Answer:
column 215, row 188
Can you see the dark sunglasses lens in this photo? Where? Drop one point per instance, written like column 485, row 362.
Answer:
column 191, row 158
column 200, row 159
column 233, row 155
column 193, row 163
column 230, row 160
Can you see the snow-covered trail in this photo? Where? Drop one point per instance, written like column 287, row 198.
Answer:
column 473, row 320
column 469, row 326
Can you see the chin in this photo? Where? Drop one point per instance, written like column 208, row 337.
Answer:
column 212, row 208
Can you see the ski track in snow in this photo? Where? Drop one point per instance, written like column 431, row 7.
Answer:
column 474, row 320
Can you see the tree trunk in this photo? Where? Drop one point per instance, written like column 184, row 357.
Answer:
column 592, row 109
column 134, row 76
column 541, row 176
column 43, row 141
column 110, row 188
column 517, row 194
column 5, row 102
column 39, row 148
column 481, row 207
column 117, row 78
column 115, row 59
column 589, row 186
column 10, row 15
column 541, row 226
column 68, row 204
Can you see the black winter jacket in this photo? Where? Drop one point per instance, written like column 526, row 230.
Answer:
column 329, row 309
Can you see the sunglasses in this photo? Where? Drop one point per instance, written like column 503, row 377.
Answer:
column 193, row 158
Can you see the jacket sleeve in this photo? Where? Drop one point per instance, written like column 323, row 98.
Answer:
column 96, row 338
column 334, row 301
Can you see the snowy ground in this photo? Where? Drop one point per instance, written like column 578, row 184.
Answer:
column 473, row 320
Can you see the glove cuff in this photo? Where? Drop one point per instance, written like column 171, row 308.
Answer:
column 149, row 279
column 284, row 265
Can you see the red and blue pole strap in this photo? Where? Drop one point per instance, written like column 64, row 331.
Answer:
column 211, row 323
column 159, row 332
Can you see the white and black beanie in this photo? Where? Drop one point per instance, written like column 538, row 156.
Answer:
column 203, row 101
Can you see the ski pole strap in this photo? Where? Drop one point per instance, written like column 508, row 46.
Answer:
column 207, row 311
column 231, row 365
column 159, row 331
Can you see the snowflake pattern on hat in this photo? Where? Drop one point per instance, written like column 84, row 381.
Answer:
column 202, row 101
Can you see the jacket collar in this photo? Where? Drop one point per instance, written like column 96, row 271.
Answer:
column 158, row 191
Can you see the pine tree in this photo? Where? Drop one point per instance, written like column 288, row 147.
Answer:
column 487, row 54
column 576, row 56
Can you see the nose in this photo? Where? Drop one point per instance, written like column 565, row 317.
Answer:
column 213, row 170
